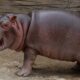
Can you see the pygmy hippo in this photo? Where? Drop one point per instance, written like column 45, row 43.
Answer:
column 54, row 34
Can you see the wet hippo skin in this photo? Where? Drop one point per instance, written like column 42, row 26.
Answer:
column 54, row 34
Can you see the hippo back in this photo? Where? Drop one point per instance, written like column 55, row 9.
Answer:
column 55, row 34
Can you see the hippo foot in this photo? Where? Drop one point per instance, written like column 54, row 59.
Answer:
column 76, row 68
column 23, row 72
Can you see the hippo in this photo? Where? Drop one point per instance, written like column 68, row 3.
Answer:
column 53, row 34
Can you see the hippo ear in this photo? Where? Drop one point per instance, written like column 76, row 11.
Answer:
column 12, row 17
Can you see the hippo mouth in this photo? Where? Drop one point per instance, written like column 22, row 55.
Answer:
column 1, row 44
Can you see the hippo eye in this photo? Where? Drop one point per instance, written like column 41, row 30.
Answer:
column 5, row 25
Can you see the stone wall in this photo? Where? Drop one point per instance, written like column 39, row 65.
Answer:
column 23, row 6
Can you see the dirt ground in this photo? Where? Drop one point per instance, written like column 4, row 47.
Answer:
column 44, row 68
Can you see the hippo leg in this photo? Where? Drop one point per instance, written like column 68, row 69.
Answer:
column 76, row 67
column 29, row 58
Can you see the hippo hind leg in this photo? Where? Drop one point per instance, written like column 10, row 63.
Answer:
column 76, row 67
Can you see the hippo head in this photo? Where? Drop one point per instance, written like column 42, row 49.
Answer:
column 6, row 31
column 11, row 33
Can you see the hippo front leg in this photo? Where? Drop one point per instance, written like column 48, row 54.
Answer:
column 29, row 58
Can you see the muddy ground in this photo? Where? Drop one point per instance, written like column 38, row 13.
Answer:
column 44, row 68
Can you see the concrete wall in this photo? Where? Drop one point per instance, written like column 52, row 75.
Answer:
column 22, row 6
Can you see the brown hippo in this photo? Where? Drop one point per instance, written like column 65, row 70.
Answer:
column 54, row 34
